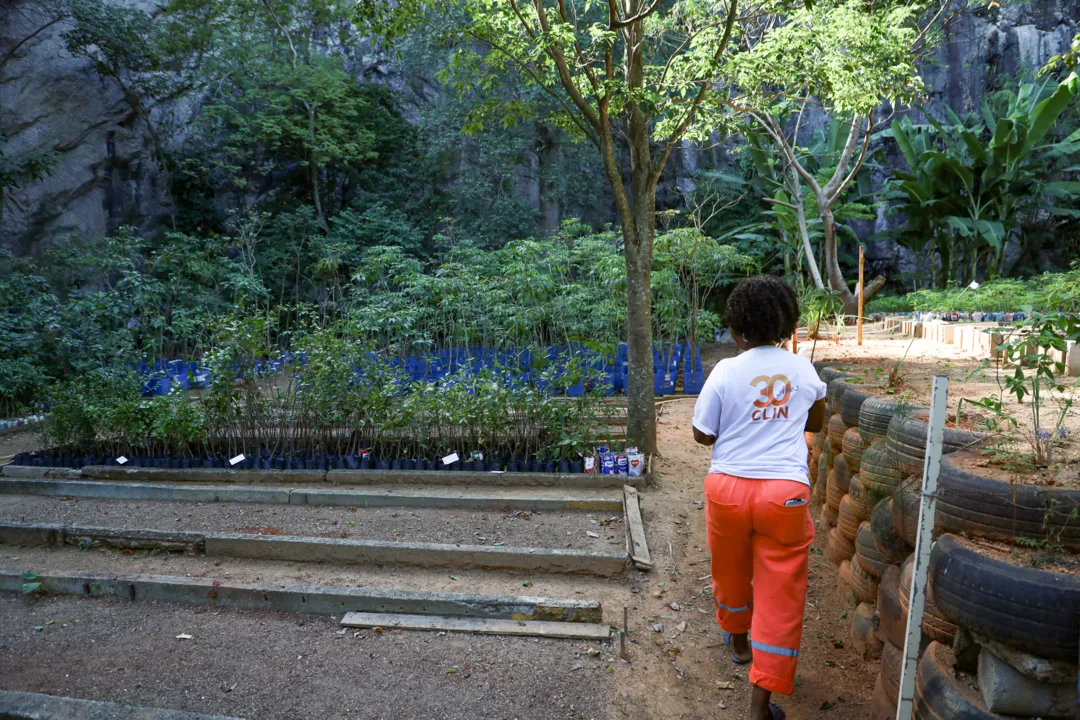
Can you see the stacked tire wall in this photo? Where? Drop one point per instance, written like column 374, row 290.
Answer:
column 1014, row 628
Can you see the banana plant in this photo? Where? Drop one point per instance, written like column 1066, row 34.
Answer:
column 967, row 182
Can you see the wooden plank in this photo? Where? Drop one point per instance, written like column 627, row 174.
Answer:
column 639, row 548
column 480, row 626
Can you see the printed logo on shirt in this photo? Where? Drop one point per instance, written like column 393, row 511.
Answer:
column 775, row 393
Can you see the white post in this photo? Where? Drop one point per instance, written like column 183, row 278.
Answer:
column 927, row 511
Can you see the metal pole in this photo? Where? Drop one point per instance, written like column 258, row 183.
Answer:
column 927, row 510
column 862, row 293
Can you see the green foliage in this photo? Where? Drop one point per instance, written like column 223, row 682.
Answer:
column 31, row 583
column 339, row 400
column 1049, row 292
column 890, row 304
column 1033, row 350
column 969, row 182
column 850, row 56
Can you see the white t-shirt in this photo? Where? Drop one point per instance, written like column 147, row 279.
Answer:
column 756, row 405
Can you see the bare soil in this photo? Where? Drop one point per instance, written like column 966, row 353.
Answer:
column 1010, row 468
column 1043, row 558
column 268, row 665
column 566, row 529
column 971, row 378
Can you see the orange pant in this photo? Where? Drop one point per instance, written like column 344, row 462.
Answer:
column 760, row 556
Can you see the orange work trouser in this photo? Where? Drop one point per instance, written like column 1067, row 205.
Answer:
column 760, row 556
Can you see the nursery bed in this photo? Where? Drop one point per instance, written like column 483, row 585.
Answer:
column 254, row 571
column 566, row 529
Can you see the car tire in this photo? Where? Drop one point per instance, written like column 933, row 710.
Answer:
column 878, row 473
column 853, row 446
column 851, row 403
column 846, row 520
column 827, row 518
column 863, row 504
column 862, row 583
column 870, row 558
column 906, row 441
column 892, row 663
column 837, row 428
column 891, row 616
column 934, row 625
column 1028, row 609
column 939, row 695
column 979, row 506
column 838, row 548
column 886, row 539
column 874, row 417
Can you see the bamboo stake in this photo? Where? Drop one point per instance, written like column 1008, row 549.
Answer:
column 862, row 292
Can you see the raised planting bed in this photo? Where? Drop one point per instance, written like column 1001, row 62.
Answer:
column 495, row 528
column 335, row 477
column 1030, row 609
column 293, row 548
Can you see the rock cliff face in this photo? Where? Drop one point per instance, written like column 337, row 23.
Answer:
column 106, row 174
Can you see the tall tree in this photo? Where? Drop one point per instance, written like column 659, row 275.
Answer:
column 847, row 59
column 631, row 77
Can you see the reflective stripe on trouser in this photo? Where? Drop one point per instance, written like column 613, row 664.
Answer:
column 760, row 554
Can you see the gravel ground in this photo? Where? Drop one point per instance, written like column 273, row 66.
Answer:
column 268, row 665
column 565, row 529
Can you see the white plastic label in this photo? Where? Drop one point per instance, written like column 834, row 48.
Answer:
column 238, row 459
column 121, row 460
column 450, row 459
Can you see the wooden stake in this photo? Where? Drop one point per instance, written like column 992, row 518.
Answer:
column 795, row 341
column 862, row 292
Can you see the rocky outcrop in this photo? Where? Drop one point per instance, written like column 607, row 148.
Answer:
column 106, row 174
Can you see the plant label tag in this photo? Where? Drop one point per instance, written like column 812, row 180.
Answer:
column 450, row 459
column 121, row 460
column 238, row 459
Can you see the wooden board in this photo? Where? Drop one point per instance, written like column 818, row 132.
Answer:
column 638, row 547
column 482, row 626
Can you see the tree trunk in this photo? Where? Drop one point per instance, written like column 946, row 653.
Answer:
column 641, row 410
column 836, row 277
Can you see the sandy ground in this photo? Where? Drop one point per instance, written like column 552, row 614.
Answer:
column 459, row 527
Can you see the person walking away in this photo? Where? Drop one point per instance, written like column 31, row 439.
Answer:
column 753, row 411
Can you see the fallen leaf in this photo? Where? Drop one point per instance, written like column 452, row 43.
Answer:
column 827, row 705
column 449, row 671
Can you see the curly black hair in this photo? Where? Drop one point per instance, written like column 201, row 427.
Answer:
column 763, row 309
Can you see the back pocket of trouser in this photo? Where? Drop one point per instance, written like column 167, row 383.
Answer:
column 788, row 525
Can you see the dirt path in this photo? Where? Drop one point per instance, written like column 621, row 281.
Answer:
column 687, row 673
